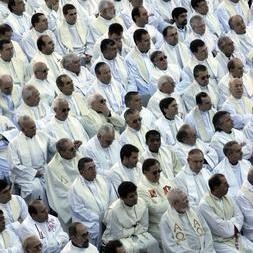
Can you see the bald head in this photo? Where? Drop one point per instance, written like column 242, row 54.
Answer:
column 6, row 84
column 237, row 24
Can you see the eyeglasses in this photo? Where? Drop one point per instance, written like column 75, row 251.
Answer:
column 137, row 120
column 162, row 58
column 65, row 110
column 44, row 71
column 102, row 101
column 205, row 77
column 156, row 172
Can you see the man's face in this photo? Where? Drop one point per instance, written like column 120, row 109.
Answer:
column 51, row 3
column 160, row 61
column 89, row 171
column 202, row 53
column 236, row 154
column 131, row 199
column 34, row 99
column 154, row 143
column 6, row 36
column 111, row 52
column 69, row 151
column 5, row 195
column 134, row 121
column 81, row 238
column 6, row 86
column 196, row 162
column 238, row 70
column 48, row 47
column 106, row 139
column 202, row 7
column 2, row 223
column 172, row 110
column 153, row 174
column 117, row 39
column 228, row 48
column 42, row 25
column 144, row 44
column 132, row 160
column 191, row 137
column 206, row 104
column 98, row 103
column 203, row 78
column 19, row 7
column 182, row 204
column 143, row 18
column 42, row 213
column 135, row 102
column 222, row 190
column 238, row 25
column 168, row 87
column 35, row 246
column 75, row 66
column 29, row 128
column 68, row 86
column 108, row 12
column 62, row 111
column 199, row 27
column 226, row 123
column 104, row 75
column 236, row 88
column 41, row 72
column 120, row 250
column 172, row 37
column 7, row 52
column 71, row 16
column 182, row 19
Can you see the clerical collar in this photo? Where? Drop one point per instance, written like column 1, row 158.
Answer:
column 170, row 119
column 79, row 246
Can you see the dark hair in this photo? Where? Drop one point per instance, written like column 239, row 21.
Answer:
column 138, row 35
column 4, row 28
column 195, row 151
column 31, row 207
column 128, row 97
column 3, row 184
column 151, row 133
column 164, row 103
column 195, row 44
column 228, row 146
column 105, row 43
column 195, row 3
column 154, row 55
column 199, row 97
column 115, row 28
column 216, row 119
column 3, row 42
column 82, row 162
column 59, row 81
column 177, row 12
column 199, row 68
column 10, row 4
column 111, row 246
column 40, row 42
column 127, row 150
column 182, row 132
column 67, row 7
column 135, row 12
column 231, row 63
column 165, row 30
column 60, row 144
column 125, row 188
column 98, row 66
column 148, row 163
column 72, row 228
column 36, row 18
column 129, row 112
column 215, row 181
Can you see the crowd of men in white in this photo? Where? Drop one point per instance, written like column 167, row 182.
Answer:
column 130, row 122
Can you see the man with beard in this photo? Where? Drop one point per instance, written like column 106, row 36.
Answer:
column 79, row 240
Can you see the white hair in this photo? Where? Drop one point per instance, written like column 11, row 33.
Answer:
column 92, row 98
column 68, row 58
column 106, row 128
column 174, row 195
column 38, row 65
column 103, row 4
column 22, row 119
column 164, row 79
column 195, row 19
column 28, row 91
column 57, row 101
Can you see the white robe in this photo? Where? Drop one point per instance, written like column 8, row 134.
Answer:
column 104, row 158
column 4, row 11
column 9, row 242
column 70, row 248
column 235, row 174
column 130, row 225
column 50, row 233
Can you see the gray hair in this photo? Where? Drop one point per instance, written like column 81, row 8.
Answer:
column 26, row 243
column 222, row 41
column 106, row 128
column 68, row 58
column 38, row 65
column 61, row 144
column 164, row 79
column 103, row 4
column 22, row 119
column 92, row 98
column 174, row 195
column 195, row 19
column 28, row 91
column 57, row 101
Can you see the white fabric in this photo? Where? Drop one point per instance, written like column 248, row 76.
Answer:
column 70, row 248
column 9, row 242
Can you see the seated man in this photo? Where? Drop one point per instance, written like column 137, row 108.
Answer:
column 201, row 116
column 32, row 244
column 9, row 241
column 223, row 217
column 193, row 177
column 182, row 228
column 89, row 198
column 79, row 240
column 45, row 226
column 164, row 154
column 128, row 169
column 233, row 167
column 60, row 173
column 135, row 132
column 127, row 220
column 29, row 152
column 244, row 201
column 103, row 148
column 114, row 246
column 170, row 122
column 153, row 189
column 224, row 132
column 13, row 207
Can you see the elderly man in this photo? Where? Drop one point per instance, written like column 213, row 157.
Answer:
column 63, row 125
column 193, row 177
column 29, row 152
column 79, row 240
column 47, row 227
column 187, row 140
column 60, row 173
column 32, row 244
column 176, row 51
column 127, row 169
column 108, row 87
column 224, row 132
column 127, row 221
column 200, row 84
column 13, row 66
column 80, row 75
column 233, row 167
column 135, row 132
column 103, row 149
column 166, row 86
column 153, row 189
column 13, row 206
column 168, row 124
column 201, row 116
column 89, row 198
column 10, row 97
column 238, row 105
column 42, row 82
column 223, row 217
column 47, row 54
column 182, row 228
